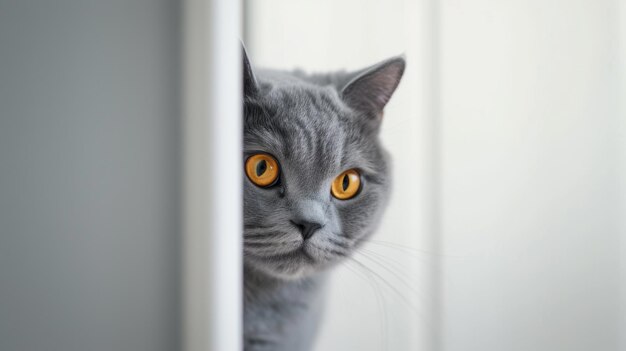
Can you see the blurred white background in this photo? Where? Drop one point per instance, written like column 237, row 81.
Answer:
column 509, row 144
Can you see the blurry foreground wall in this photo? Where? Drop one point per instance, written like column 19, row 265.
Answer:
column 89, row 175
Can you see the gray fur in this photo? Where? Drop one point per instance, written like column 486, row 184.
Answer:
column 316, row 127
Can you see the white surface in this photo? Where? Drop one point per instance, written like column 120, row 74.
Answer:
column 212, row 206
column 622, row 168
column 524, row 157
column 530, row 175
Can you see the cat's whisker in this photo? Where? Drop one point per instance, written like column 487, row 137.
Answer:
column 255, row 235
column 392, row 262
column 272, row 241
column 417, row 311
column 253, row 242
column 388, row 260
column 428, row 261
column 403, row 247
column 391, row 244
column 269, row 235
column 269, row 254
column 402, row 279
column 344, row 245
column 397, row 274
column 388, row 284
column 254, row 226
column 424, row 256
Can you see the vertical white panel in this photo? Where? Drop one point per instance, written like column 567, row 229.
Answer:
column 212, row 212
column 621, row 58
column 430, row 77
column 530, row 175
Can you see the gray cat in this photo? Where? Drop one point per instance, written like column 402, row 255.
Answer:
column 317, row 181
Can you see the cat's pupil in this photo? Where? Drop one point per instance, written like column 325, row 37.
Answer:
column 346, row 182
column 261, row 167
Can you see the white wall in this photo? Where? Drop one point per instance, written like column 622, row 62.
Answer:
column 506, row 136
column 530, row 175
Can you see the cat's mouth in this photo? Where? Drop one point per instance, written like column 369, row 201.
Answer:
column 303, row 251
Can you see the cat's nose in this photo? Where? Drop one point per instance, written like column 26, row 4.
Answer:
column 307, row 229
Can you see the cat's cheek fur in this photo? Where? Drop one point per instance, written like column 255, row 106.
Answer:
column 359, row 227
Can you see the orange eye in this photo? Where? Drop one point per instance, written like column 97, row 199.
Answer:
column 346, row 185
column 262, row 169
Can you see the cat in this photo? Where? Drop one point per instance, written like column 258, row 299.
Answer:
column 316, row 183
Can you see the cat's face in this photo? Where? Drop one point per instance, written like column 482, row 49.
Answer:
column 300, row 139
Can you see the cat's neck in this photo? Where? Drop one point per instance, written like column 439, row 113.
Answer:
column 281, row 315
column 260, row 286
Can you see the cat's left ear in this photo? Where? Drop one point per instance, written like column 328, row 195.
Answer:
column 372, row 88
column 250, row 85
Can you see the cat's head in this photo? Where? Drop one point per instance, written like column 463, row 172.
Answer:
column 317, row 178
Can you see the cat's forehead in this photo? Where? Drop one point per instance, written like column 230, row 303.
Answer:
column 307, row 100
column 307, row 125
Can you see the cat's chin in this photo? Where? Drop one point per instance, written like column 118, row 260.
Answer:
column 292, row 275
column 291, row 272
column 297, row 266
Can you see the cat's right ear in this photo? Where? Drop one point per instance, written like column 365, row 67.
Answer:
column 372, row 88
column 250, row 85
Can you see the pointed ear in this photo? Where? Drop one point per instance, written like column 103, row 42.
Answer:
column 372, row 88
column 250, row 85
